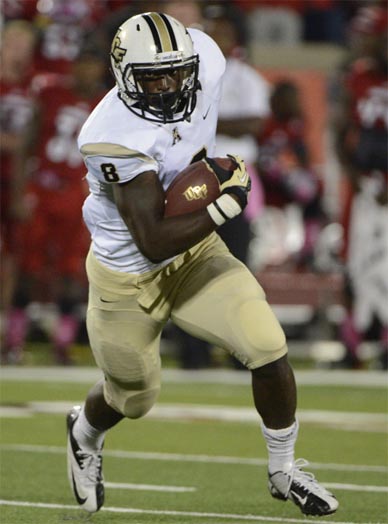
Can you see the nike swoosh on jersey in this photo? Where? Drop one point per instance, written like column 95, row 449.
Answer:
column 207, row 112
column 108, row 301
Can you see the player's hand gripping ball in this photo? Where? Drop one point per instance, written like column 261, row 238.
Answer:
column 198, row 185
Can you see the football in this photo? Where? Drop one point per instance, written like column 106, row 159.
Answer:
column 194, row 188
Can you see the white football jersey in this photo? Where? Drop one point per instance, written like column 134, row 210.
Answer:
column 245, row 94
column 117, row 146
column 368, row 256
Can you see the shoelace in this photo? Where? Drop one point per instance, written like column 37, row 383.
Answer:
column 305, row 478
column 91, row 465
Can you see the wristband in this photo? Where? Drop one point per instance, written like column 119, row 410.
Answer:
column 223, row 209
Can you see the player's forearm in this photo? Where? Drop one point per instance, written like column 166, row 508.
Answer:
column 141, row 204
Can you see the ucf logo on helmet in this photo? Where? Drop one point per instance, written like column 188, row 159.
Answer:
column 117, row 52
column 196, row 192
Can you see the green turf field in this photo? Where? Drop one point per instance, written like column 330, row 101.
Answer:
column 198, row 457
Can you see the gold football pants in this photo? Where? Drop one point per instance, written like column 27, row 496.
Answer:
column 205, row 291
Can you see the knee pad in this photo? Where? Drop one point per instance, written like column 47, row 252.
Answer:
column 260, row 326
column 131, row 399
column 139, row 403
column 126, row 349
column 260, row 338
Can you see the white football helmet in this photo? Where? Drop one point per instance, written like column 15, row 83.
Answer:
column 147, row 47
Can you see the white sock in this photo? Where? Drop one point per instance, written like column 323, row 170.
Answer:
column 86, row 435
column 280, row 446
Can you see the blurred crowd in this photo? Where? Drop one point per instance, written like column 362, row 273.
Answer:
column 55, row 69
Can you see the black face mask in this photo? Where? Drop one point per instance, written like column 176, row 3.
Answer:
column 165, row 102
column 165, row 107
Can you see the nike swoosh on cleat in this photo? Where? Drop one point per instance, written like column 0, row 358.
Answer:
column 301, row 501
column 75, row 448
column 80, row 500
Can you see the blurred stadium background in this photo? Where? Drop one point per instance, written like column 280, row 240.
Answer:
column 205, row 406
column 297, row 250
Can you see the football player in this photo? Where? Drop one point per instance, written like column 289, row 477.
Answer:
column 145, row 269
column 362, row 137
column 18, row 42
column 286, row 169
column 55, row 239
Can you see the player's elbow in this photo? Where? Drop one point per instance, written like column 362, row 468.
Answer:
column 154, row 256
column 152, row 249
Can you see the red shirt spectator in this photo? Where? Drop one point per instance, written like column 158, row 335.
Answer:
column 55, row 240
column 64, row 26
column 283, row 158
column 18, row 41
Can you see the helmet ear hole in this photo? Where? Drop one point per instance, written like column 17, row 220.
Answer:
column 154, row 44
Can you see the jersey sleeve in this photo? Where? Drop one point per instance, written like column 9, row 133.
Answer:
column 114, row 163
column 212, row 61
